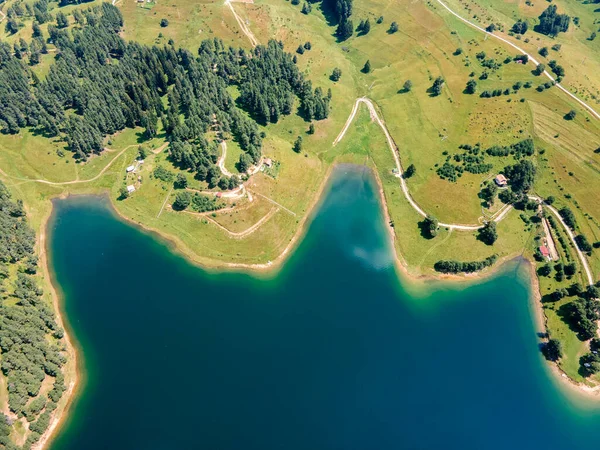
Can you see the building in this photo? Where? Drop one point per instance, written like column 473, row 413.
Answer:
column 545, row 252
column 130, row 188
column 268, row 162
column 130, row 169
column 219, row 195
column 501, row 180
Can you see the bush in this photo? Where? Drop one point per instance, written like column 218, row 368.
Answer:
column 181, row 181
column 568, row 217
column 182, row 201
column 471, row 87
column 488, row 234
column 430, row 226
column 336, row 74
column 583, row 243
column 590, row 364
column 298, row 144
column 163, row 174
column 436, row 88
column 164, row 23
column 446, row 266
column 584, row 315
column 545, row 270
column 552, row 350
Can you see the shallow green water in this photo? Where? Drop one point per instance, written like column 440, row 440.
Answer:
column 332, row 353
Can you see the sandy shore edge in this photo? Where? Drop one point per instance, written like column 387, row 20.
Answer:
column 71, row 370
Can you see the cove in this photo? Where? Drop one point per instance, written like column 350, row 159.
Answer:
column 333, row 352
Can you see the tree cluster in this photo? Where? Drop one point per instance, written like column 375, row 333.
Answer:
column 519, row 149
column 488, row 234
column 446, row 266
column 520, row 27
column 30, row 338
column 430, row 227
column 568, row 217
column 552, row 23
column 521, row 176
column 584, row 314
column 100, row 84
column 436, row 88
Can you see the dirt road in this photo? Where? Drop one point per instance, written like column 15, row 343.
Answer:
column 242, row 24
column 531, row 58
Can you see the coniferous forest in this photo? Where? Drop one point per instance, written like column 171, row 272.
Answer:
column 100, row 84
column 30, row 339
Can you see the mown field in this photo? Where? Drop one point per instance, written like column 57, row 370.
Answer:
column 427, row 130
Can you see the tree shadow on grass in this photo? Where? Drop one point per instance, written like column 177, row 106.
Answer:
column 424, row 230
column 565, row 312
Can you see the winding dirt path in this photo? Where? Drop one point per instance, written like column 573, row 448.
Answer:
column 375, row 117
column 63, row 183
column 221, row 160
column 531, row 58
column 77, row 180
column 582, row 258
column 500, row 215
column 240, row 234
column 274, row 202
column 242, row 24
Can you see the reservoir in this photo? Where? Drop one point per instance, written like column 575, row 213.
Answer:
column 335, row 351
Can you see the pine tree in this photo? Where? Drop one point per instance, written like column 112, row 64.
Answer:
column 367, row 67
column 344, row 29
column 336, row 74
column 37, row 31
column 61, row 20
column 298, row 144
column 366, row 27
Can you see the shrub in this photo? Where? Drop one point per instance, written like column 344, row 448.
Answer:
column 449, row 266
column 552, row 350
column 182, row 201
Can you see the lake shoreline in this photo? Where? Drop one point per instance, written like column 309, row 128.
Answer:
column 74, row 365
column 271, row 268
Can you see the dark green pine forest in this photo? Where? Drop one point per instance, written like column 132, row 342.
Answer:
column 30, row 339
column 99, row 84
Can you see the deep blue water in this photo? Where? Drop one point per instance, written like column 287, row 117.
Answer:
column 331, row 353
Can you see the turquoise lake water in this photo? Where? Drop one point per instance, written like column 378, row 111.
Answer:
column 334, row 352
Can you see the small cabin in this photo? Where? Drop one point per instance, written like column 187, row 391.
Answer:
column 501, row 180
column 130, row 169
column 268, row 162
column 545, row 252
column 219, row 195
column 130, row 188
